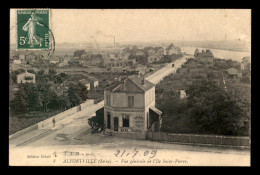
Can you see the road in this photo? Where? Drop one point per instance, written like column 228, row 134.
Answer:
column 167, row 70
column 76, row 136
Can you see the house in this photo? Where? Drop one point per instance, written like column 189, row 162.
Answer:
column 22, row 57
column 93, row 82
column 85, row 83
column 171, row 49
column 55, row 60
column 79, row 54
column 140, row 53
column 17, row 62
column 155, row 54
column 123, row 56
column 204, row 56
column 234, row 72
column 245, row 64
column 246, row 59
column 242, row 66
column 26, row 77
column 15, row 57
column 129, row 108
column 140, row 69
column 182, row 94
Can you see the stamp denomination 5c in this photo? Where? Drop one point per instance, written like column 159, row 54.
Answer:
column 33, row 29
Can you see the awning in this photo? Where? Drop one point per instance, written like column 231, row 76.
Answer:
column 157, row 111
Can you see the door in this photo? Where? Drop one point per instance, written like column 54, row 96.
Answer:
column 116, row 124
column 108, row 120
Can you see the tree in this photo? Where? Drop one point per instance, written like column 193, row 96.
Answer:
column 46, row 95
column 31, row 71
column 64, row 102
column 33, row 97
column 20, row 102
column 212, row 110
column 41, row 77
column 77, row 93
column 52, row 72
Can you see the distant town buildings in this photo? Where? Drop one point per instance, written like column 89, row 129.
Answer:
column 204, row 56
column 26, row 77
column 129, row 108
column 55, row 60
column 79, row 54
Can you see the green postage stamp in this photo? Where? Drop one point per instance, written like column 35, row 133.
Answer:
column 33, row 29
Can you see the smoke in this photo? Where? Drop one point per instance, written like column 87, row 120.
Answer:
column 100, row 33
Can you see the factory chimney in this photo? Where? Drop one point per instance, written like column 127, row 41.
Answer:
column 114, row 41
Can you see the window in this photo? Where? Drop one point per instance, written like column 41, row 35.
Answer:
column 125, row 120
column 130, row 101
column 108, row 100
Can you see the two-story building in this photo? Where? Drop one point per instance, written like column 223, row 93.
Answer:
column 26, row 77
column 129, row 108
column 93, row 82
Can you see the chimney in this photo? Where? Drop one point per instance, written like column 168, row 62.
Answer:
column 143, row 81
column 124, row 82
column 114, row 41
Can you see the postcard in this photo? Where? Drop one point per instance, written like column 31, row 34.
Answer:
column 130, row 87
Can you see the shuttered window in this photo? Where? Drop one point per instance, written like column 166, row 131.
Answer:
column 131, row 101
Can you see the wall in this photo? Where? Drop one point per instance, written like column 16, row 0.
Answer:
column 22, row 132
column 64, row 114
column 199, row 139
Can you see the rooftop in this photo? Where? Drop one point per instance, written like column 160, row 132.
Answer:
column 136, row 80
column 84, row 81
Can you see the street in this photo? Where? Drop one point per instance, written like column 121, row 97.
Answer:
column 76, row 137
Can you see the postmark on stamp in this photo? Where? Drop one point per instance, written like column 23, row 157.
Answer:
column 33, row 29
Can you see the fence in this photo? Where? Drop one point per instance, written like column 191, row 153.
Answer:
column 199, row 139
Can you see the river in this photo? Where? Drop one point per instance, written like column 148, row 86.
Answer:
column 223, row 54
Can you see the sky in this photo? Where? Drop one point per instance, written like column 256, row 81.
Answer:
column 78, row 25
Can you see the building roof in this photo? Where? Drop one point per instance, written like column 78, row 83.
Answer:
column 28, row 73
column 92, row 78
column 203, row 53
column 231, row 69
column 136, row 80
column 84, row 81
column 157, row 111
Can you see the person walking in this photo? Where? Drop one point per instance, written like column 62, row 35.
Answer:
column 53, row 121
